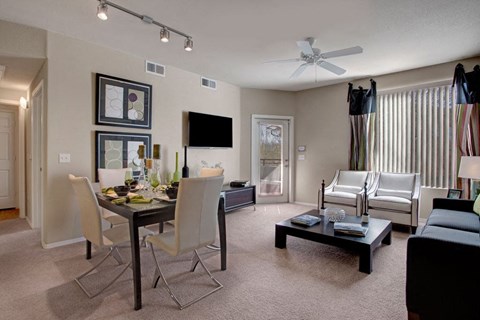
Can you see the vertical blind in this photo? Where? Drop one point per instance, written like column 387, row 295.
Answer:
column 416, row 134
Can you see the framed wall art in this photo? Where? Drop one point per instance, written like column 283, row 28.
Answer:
column 114, row 150
column 123, row 103
column 454, row 193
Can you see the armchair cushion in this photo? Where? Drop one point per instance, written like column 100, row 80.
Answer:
column 397, row 182
column 407, row 194
column 350, row 189
column 352, row 178
column 341, row 197
column 390, row 203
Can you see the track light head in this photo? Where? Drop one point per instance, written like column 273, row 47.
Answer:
column 188, row 44
column 164, row 35
column 102, row 9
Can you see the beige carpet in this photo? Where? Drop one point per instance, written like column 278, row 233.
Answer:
column 305, row 281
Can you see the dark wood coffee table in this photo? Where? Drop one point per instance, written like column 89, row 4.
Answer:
column 379, row 231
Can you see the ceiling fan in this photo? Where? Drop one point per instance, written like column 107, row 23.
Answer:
column 314, row 57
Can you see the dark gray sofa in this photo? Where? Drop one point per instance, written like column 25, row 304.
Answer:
column 443, row 264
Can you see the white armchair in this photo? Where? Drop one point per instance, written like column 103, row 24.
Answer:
column 346, row 190
column 395, row 197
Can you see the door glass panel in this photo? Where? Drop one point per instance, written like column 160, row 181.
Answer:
column 271, row 169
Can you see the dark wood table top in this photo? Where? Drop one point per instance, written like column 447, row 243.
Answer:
column 375, row 228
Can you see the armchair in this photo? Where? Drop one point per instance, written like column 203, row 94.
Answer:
column 395, row 197
column 346, row 190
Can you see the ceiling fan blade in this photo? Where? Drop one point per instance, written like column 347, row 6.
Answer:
column 306, row 47
column 284, row 61
column 299, row 71
column 342, row 52
column 331, row 67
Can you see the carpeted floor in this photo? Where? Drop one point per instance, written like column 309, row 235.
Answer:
column 305, row 281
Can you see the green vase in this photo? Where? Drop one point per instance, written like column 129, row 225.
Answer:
column 176, row 174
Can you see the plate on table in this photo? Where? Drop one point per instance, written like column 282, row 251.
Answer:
column 165, row 198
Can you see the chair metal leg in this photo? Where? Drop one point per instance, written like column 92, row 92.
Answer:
column 159, row 274
column 195, row 261
column 117, row 256
column 92, row 295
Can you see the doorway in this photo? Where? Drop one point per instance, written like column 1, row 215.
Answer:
column 8, row 183
column 271, row 154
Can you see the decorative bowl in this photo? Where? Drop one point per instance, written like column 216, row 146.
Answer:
column 334, row 214
column 171, row 192
column 121, row 191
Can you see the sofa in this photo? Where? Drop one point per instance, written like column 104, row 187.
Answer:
column 443, row 264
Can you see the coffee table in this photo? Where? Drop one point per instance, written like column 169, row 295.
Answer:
column 379, row 231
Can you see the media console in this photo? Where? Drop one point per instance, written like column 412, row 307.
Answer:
column 238, row 197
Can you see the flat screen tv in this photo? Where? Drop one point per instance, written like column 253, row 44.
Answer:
column 209, row 131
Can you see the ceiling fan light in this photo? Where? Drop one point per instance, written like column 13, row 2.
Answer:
column 164, row 35
column 102, row 9
column 188, row 44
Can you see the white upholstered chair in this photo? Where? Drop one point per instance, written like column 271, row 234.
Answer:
column 395, row 197
column 210, row 172
column 91, row 221
column 110, row 178
column 195, row 227
column 346, row 190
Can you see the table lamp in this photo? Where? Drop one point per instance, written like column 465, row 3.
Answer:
column 470, row 169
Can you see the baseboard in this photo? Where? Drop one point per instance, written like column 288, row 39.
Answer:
column 306, row 204
column 61, row 243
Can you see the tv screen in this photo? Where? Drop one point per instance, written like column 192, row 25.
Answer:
column 209, row 131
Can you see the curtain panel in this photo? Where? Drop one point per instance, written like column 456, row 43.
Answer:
column 362, row 108
column 467, row 89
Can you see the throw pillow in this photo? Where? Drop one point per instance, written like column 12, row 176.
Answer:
column 476, row 205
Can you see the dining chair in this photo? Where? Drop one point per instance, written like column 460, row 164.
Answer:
column 110, row 178
column 210, row 172
column 195, row 227
column 91, row 221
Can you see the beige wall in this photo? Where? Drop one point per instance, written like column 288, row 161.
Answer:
column 265, row 102
column 72, row 65
column 322, row 124
column 22, row 41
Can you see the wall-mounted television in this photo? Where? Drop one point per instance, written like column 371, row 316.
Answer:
column 209, row 131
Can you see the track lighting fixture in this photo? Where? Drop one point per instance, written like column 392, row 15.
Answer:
column 164, row 32
column 164, row 35
column 102, row 10
column 188, row 44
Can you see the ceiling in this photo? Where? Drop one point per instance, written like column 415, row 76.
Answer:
column 232, row 39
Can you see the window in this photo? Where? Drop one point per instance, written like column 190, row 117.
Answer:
column 415, row 132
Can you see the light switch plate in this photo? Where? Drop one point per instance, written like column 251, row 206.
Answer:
column 301, row 157
column 63, row 157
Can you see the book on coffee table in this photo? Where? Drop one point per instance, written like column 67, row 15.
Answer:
column 306, row 220
column 353, row 229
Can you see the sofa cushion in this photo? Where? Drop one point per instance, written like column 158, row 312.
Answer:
column 341, row 197
column 352, row 178
column 343, row 188
column 451, row 235
column 461, row 220
column 390, row 203
column 395, row 193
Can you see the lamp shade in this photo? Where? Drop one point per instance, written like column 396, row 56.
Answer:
column 469, row 168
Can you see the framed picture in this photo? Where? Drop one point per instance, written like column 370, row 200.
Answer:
column 123, row 103
column 114, row 150
column 454, row 193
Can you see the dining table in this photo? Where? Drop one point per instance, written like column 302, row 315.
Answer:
column 158, row 211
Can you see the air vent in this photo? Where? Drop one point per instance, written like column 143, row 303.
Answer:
column 154, row 68
column 2, row 71
column 209, row 83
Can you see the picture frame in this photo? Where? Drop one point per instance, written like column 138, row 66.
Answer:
column 114, row 150
column 454, row 193
column 123, row 103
